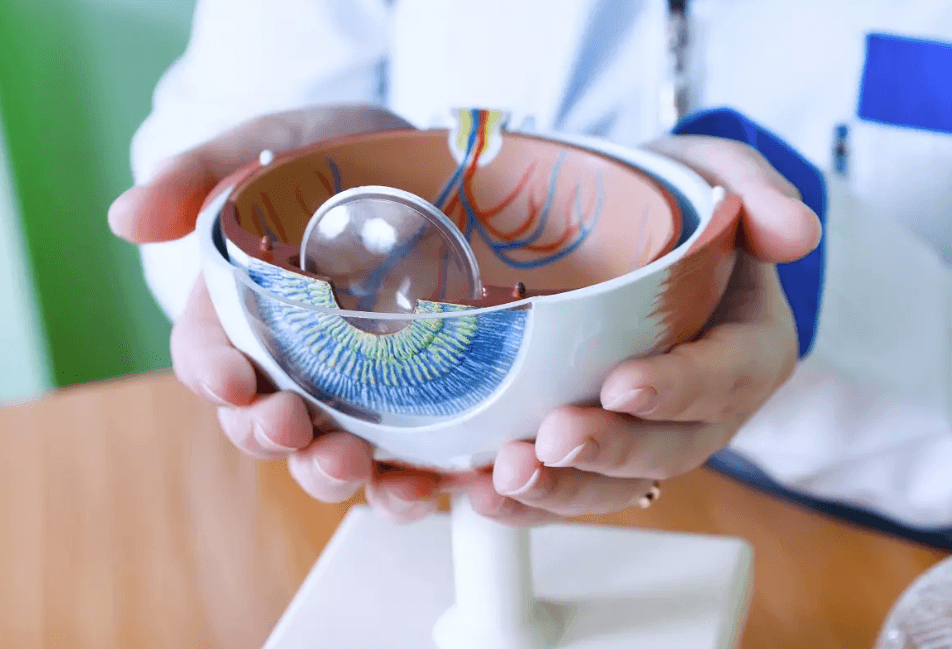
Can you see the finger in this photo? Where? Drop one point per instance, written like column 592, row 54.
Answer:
column 204, row 359
column 404, row 495
column 334, row 467
column 488, row 502
column 601, row 442
column 777, row 226
column 274, row 426
column 563, row 491
column 166, row 207
column 729, row 372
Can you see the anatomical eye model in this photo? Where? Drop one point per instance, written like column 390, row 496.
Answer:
column 438, row 293
column 464, row 232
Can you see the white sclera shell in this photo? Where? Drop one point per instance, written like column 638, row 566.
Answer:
column 571, row 340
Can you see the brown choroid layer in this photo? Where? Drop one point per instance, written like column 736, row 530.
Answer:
column 278, row 198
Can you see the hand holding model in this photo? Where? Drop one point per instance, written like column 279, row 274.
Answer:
column 659, row 416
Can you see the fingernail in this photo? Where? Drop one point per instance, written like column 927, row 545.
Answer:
column 115, row 206
column 337, row 482
column 117, row 210
column 584, row 452
column 225, row 415
column 497, row 505
column 212, row 395
column 406, row 511
column 267, row 443
column 532, row 482
column 636, row 402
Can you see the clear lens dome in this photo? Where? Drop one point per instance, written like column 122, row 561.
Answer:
column 383, row 250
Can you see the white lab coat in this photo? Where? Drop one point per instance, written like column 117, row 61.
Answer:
column 866, row 418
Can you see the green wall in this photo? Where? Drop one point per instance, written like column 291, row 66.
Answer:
column 76, row 78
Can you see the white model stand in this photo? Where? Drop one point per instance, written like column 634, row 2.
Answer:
column 383, row 585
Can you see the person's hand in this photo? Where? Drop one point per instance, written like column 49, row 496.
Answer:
column 665, row 415
column 332, row 466
column 264, row 423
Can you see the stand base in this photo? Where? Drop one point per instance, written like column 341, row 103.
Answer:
column 543, row 631
column 382, row 585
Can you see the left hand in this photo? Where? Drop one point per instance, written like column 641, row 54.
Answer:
column 665, row 415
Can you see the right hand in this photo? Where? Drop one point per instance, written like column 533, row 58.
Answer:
column 331, row 466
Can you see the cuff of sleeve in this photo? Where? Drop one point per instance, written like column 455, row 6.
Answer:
column 802, row 280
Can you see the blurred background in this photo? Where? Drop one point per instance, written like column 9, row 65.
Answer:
column 76, row 78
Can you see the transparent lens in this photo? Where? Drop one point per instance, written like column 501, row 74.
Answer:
column 383, row 251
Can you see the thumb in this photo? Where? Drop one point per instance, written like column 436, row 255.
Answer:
column 166, row 208
column 777, row 227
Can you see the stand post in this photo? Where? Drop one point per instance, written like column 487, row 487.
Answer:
column 495, row 604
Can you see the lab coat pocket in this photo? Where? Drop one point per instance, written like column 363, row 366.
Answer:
column 885, row 307
column 905, row 175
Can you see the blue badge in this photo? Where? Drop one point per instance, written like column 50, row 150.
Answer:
column 907, row 82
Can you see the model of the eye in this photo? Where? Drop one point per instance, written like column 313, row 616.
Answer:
column 439, row 292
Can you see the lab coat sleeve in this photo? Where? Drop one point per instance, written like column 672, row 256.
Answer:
column 247, row 58
column 867, row 417
column 885, row 307
column 802, row 280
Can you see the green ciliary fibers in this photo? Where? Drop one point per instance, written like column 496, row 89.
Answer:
column 76, row 79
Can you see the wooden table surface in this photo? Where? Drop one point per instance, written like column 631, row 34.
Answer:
column 127, row 520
